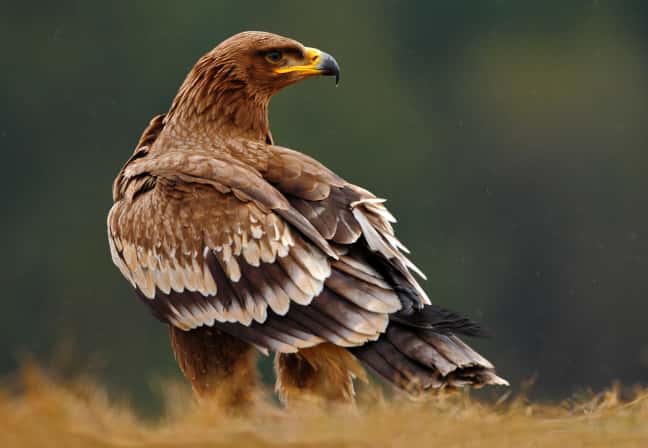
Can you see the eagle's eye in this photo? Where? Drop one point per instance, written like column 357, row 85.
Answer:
column 274, row 56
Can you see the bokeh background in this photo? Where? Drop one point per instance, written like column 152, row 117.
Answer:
column 509, row 136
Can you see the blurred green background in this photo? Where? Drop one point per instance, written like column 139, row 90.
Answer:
column 509, row 136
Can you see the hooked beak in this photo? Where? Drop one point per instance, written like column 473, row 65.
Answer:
column 317, row 63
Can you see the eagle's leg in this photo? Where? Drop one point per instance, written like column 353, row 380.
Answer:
column 219, row 366
column 321, row 373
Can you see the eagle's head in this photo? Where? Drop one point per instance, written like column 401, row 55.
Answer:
column 267, row 62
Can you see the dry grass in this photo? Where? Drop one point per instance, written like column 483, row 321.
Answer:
column 40, row 412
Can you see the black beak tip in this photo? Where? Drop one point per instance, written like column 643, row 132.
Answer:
column 329, row 67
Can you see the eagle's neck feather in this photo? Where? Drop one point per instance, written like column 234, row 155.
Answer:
column 216, row 103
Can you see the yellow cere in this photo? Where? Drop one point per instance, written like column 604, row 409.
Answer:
column 313, row 55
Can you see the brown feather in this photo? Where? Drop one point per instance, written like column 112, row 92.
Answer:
column 218, row 365
column 349, row 315
column 417, row 348
column 418, row 377
column 327, row 327
column 363, row 294
column 321, row 372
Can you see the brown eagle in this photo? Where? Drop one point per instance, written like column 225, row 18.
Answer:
column 241, row 245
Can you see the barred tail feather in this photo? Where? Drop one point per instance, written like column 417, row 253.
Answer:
column 418, row 360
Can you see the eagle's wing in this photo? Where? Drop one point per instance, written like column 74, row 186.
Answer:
column 208, row 241
column 419, row 349
column 349, row 217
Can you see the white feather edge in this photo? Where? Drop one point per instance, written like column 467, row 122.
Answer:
column 154, row 272
column 379, row 242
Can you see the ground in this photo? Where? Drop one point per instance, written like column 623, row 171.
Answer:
column 37, row 411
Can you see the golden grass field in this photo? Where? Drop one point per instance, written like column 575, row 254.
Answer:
column 36, row 411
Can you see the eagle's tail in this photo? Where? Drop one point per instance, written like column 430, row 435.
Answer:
column 418, row 360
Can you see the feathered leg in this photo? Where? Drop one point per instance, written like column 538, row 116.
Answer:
column 321, row 373
column 218, row 365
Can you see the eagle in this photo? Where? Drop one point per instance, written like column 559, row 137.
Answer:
column 242, row 246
